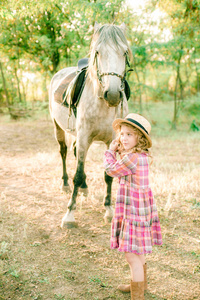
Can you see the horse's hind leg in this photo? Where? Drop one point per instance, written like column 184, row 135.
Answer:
column 79, row 180
column 68, row 220
column 60, row 137
column 107, row 200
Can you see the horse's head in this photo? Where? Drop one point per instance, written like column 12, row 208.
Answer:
column 109, row 56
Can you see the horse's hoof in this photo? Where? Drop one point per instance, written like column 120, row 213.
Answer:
column 84, row 191
column 68, row 221
column 109, row 214
column 69, row 225
column 66, row 189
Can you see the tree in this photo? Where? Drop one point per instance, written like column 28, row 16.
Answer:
column 51, row 34
column 183, row 19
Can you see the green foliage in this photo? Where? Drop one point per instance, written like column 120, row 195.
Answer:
column 41, row 37
column 194, row 109
column 191, row 109
column 196, row 204
column 194, row 126
column 59, row 297
column 51, row 30
column 97, row 280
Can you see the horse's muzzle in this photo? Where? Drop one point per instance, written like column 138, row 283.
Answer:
column 113, row 98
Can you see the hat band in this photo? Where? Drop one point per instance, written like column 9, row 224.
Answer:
column 137, row 123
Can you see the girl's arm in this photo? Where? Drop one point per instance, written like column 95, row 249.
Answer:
column 117, row 168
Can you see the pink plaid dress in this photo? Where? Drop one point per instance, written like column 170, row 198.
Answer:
column 135, row 225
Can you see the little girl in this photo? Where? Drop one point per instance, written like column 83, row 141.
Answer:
column 135, row 225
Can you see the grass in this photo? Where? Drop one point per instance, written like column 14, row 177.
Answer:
column 39, row 260
column 160, row 114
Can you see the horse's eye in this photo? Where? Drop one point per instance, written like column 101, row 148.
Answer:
column 125, row 53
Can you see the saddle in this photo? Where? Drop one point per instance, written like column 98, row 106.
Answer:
column 70, row 89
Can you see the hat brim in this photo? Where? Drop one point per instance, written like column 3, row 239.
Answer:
column 117, row 123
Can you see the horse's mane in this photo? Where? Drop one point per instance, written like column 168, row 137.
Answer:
column 106, row 35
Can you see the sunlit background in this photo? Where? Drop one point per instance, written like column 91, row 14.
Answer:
column 38, row 40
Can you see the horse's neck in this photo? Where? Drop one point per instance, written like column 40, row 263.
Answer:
column 96, row 107
column 92, row 99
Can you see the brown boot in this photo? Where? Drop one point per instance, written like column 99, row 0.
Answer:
column 145, row 277
column 125, row 288
column 137, row 290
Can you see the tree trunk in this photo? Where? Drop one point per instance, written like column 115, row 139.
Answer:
column 18, row 86
column 188, row 78
column 24, row 91
column 138, row 78
column 55, row 60
column 178, row 81
column 175, row 105
column 5, row 88
column 145, row 90
column 198, row 81
column 46, row 96
column 180, row 84
column 197, row 73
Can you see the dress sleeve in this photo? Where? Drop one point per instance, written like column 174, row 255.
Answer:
column 117, row 168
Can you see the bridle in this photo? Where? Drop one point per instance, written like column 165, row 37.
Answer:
column 123, row 78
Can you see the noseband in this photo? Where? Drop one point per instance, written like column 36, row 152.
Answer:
column 123, row 78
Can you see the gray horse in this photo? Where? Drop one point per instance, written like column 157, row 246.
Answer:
column 102, row 100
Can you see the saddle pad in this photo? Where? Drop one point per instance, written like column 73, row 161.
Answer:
column 79, row 83
column 63, row 85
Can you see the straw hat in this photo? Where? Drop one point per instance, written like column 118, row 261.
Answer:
column 136, row 121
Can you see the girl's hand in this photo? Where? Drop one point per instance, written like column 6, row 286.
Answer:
column 114, row 145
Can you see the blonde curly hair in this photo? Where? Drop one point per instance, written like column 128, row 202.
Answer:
column 142, row 144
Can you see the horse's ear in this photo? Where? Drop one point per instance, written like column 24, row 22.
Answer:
column 96, row 26
column 123, row 27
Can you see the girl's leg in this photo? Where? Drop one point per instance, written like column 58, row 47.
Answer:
column 137, row 275
column 126, row 287
column 142, row 258
column 136, row 263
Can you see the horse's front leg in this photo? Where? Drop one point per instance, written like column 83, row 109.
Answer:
column 83, row 188
column 107, row 200
column 79, row 181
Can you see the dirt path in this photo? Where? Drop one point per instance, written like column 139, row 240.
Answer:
column 39, row 260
